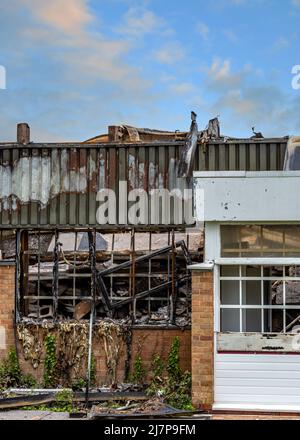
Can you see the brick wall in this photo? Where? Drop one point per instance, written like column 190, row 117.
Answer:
column 7, row 305
column 202, row 339
column 146, row 342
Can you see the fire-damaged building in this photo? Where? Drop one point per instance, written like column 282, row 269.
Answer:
column 120, row 243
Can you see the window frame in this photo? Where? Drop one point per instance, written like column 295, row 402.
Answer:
column 213, row 253
column 262, row 307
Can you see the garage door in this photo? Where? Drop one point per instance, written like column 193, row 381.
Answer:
column 257, row 381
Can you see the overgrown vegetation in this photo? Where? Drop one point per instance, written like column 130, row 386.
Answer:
column 80, row 383
column 50, row 362
column 138, row 371
column 175, row 385
column 63, row 403
column 93, row 371
column 11, row 374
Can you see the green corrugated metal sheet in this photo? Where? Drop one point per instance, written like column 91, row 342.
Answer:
column 48, row 185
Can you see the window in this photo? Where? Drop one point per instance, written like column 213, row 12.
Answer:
column 138, row 276
column 260, row 241
column 259, row 299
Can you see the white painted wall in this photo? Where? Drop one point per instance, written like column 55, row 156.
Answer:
column 248, row 196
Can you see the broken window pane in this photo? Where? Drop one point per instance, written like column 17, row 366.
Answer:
column 292, row 318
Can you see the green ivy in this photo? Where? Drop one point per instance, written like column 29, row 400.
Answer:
column 158, row 366
column 93, row 370
column 175, row 389
column 11, row 375
column 64, row 401
column 173, row 366
column 50, row 362
column 138, row 370
column 79, row 384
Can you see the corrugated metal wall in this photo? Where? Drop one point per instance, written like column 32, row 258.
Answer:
column 51, row 184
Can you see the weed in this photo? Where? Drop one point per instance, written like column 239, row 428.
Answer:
column 50, row 362
column 175, row 389
column 11, row 375
column 139, row 371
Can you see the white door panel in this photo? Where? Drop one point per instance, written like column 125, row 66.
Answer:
column 257, row 379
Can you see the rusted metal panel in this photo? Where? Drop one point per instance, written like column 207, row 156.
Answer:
column 56, row 184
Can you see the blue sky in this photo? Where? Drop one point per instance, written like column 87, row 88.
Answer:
column 76, row 66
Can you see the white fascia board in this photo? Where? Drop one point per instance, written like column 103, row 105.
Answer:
column 248, row 174
column 207, row 265
column 247, row 196
column 258, row 261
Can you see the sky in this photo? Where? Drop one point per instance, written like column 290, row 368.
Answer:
column 73, row 67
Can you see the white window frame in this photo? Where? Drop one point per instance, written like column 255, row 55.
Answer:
column 282, row 307
column 213, row 253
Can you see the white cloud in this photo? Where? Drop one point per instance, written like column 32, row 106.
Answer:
column 244, row 99
column 220, row 75
column 296, row 3
column 84, row 56
column 281, row 43
column 183, row 88
column 139, row 21
column 77, row 57
column 170, row 53
column 203, row 30
column 69, row 17
column 230, row 35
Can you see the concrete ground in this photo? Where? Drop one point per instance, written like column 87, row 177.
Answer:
column 33, row 415
column 51, row 415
